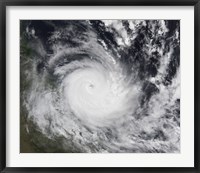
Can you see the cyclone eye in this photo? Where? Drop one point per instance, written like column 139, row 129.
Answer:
column 91, row 86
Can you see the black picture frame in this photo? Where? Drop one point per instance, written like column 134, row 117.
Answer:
column 5, row 3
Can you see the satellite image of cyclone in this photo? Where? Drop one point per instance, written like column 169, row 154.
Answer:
column 100, row 86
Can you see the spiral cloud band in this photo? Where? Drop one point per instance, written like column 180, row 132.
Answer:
column 100, row 86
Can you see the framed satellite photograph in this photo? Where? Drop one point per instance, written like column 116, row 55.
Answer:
column 92, row 86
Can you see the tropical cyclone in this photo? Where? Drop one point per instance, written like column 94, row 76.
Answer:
column 104, row 86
